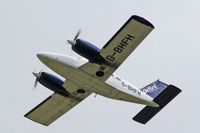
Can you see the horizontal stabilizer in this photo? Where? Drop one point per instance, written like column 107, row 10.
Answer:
column 162, row 99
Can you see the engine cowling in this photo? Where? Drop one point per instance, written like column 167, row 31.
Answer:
column 53, row 83
column 88, row 50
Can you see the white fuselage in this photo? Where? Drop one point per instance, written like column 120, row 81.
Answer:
column 114, row 87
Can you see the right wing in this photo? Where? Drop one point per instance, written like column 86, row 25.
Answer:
column 119, row 47
column 52, row 108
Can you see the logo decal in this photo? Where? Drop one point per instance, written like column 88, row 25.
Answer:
column 151, row 88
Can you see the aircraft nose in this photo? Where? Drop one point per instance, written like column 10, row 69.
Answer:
column 48, row 58
column 43, row 57
column 40, row 56
column 53, row 60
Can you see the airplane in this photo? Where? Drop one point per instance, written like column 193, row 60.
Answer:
column 94, row 73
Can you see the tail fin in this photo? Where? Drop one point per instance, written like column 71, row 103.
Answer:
column 162, row 94
column 154, row 89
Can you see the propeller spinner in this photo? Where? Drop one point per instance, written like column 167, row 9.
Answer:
column 37, row 75
column 75, row 38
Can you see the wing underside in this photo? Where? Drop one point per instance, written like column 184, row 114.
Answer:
column 56, row 105
column 51, row 109
column 120, row 46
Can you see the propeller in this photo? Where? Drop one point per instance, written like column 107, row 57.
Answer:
column 75, row 38
column 37, row 75
column 77, row 34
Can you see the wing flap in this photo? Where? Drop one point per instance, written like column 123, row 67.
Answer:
column 51, row 109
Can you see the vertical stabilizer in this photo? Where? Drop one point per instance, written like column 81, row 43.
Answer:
column 154, row 89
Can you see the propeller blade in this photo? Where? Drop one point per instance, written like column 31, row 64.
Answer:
column 41, row 70
column 37, row 75
column 35, row 84
column 77, row 34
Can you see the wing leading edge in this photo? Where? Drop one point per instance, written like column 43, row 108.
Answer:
column 120, row 46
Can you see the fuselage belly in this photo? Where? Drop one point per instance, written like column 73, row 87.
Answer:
column 114, row 87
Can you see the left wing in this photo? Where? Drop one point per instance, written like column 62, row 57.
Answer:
column 119, row 47
column 51, row 109
column 56, row 105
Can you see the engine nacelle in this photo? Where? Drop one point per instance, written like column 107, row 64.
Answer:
column 53, row 83
column 89, row 51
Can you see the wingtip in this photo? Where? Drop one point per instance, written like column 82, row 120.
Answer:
column 142, row 20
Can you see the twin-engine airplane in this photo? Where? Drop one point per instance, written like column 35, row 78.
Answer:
column 95, row 74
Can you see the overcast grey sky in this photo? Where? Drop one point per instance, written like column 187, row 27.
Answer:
column 170, row 53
